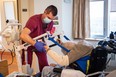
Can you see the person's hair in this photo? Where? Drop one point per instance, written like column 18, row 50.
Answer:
column 51, row 9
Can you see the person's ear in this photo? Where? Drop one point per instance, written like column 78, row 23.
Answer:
column 45, row 12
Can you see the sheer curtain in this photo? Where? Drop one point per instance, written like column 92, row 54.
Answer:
column 81, row 19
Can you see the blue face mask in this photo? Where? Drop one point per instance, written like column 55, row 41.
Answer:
column 46, row 20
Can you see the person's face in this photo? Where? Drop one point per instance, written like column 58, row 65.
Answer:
column 48, row 17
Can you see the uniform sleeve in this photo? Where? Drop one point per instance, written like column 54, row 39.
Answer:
column 31, row 24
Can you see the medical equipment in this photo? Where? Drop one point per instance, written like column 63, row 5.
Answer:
column 11, row 35
column 46, row 35
column 11, row 31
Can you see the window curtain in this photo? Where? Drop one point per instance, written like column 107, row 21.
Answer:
column 81, row 19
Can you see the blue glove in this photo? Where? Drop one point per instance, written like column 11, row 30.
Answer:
column 40, row 46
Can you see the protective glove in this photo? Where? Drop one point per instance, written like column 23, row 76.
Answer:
column 40, row 46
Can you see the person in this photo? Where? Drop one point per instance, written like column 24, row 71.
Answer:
column 35, row 26
column 77, row 50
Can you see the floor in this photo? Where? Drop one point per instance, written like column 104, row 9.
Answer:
column 7, row 56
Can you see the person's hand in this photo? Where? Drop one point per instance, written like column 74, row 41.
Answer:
column 53, row 64
column 46, row 48
column 40, row 46
column 59, row 41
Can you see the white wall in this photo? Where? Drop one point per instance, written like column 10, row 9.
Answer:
column 67, row 18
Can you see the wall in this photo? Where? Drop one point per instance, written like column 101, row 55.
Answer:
column 67, row 18
column 24, row 15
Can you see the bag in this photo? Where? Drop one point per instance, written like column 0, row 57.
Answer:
column 98, row 59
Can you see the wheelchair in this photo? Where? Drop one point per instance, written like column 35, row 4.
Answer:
column 94, row 64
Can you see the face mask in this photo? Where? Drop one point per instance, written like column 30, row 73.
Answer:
column 46, row 20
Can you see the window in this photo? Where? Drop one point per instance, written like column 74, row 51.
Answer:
column 98, row 18
column 112, row 26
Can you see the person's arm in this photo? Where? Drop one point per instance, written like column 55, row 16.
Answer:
column 60, row 59
column 25, row 36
